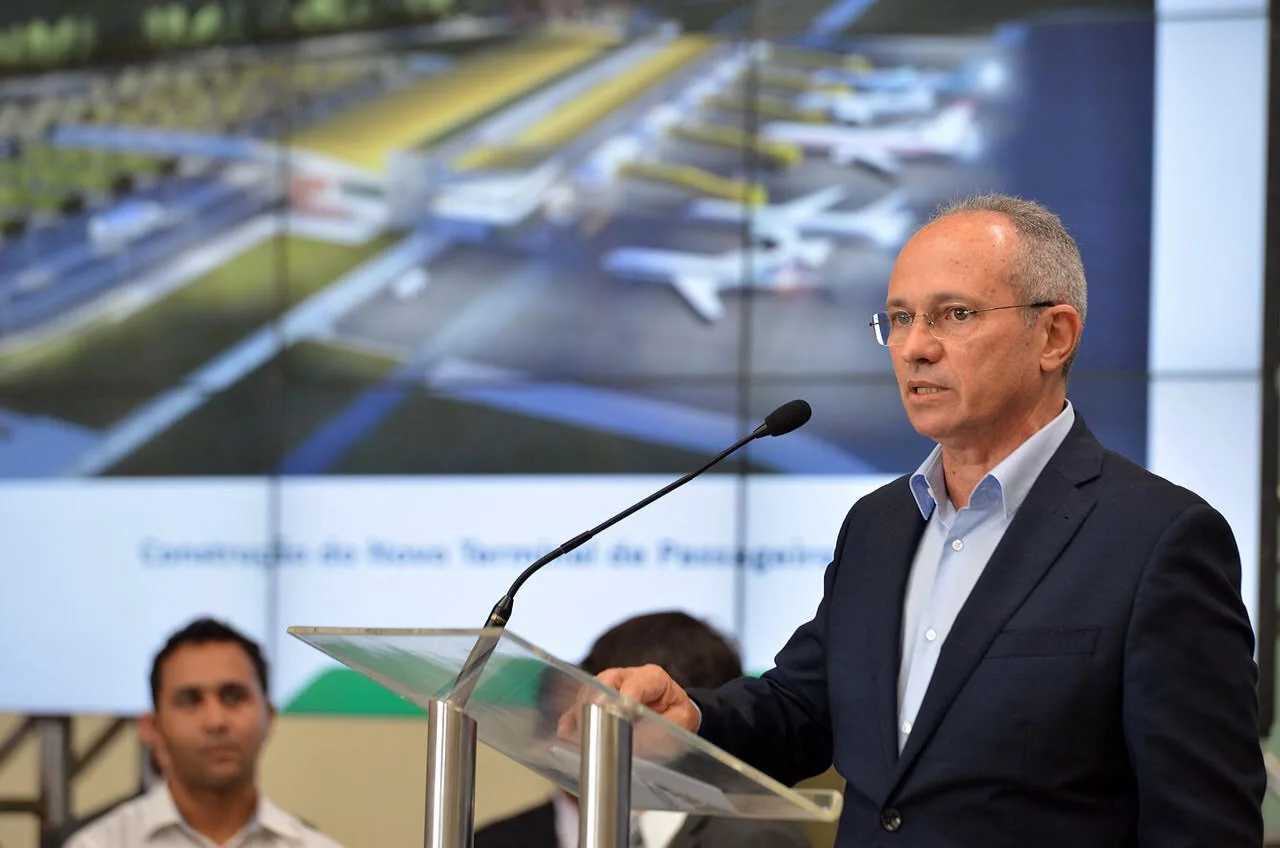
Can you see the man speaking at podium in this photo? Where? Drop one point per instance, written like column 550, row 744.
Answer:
column 1030, row 641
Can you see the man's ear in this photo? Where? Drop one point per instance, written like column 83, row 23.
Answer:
column 1062, row 326
column 147, row 734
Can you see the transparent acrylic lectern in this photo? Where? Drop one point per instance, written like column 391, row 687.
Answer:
column 559, row 722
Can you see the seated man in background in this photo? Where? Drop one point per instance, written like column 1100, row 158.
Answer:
column 691, row 651
column 209, row 722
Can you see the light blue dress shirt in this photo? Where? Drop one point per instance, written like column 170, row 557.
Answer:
column 954, row 551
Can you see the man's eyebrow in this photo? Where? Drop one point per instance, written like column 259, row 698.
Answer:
column 936, row 297
column 212, row 687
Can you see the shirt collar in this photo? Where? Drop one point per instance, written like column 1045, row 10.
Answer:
column 1010, row 481
column 272, row 818
column 159, row 811
column 926, row 480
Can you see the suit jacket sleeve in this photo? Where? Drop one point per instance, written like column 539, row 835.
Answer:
column 1190, row 707
column 780, row 723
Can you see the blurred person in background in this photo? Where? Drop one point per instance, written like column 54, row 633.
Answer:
column 694, row 653
column 210, row 718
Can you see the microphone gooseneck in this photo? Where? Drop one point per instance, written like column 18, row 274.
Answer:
column 790, row 416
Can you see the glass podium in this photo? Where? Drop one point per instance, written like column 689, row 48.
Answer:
column 559, row 722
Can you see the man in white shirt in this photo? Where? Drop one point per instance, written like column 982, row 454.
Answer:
column 209, row 722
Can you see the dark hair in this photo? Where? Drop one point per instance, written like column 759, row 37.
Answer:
column 691, row 651
column 201, row 632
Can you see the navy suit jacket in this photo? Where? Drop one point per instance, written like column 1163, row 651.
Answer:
column 1097, row 689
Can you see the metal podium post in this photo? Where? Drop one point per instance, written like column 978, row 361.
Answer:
column 604, row 807
column 451, row 776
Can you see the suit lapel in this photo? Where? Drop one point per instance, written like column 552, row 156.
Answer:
column 1044, row 524
column 888, row 569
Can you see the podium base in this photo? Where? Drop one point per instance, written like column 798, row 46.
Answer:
column 604, row 808
column 451, row 777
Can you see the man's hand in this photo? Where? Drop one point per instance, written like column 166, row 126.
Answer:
column 649, row 685
column 653, row 687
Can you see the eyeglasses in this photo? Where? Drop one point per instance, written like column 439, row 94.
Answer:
column 949, row 324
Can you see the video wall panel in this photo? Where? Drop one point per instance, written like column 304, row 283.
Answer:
column 349, row 320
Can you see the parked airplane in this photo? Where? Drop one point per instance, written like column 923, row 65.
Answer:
column 863, row 107
column 977, row 76
column 885, row 221
column 952, row 132
column 776, row 262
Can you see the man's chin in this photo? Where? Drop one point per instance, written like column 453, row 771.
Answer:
column 927, row 424
column 223, row 780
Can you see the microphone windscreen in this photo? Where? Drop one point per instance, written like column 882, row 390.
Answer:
column 790, row 416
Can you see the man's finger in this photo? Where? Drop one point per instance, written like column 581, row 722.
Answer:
column 568, row 724
column 649, row 685
column 645, row 685
column 641, row 689
column 613, row 677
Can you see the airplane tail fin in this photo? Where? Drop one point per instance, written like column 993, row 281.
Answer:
column 953, row 127
column 891, row 202
column 981, row 76
column 887, row 219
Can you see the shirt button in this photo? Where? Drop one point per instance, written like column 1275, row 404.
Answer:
column 891, row 819
column 957, row 544
column 930, row 635
column 906, row 727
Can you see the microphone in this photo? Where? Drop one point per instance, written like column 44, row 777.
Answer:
column 790, row 416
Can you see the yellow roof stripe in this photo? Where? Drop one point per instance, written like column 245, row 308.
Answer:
column 434, row 106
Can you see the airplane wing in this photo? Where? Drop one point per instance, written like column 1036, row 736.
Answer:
column 811, row 204
column 798, row 210
column 702, row 294
column 880, row 160
column 715, row 209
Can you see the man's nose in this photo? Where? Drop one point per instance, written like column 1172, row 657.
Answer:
column 920, row 343
column 214, row 716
